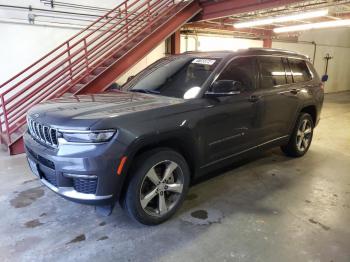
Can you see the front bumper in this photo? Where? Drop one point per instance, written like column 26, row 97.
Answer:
column 81, row 173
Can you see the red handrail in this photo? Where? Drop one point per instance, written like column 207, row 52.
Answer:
column 95, row 56
column 77, row 58
column 61, row 45
column 80, row 59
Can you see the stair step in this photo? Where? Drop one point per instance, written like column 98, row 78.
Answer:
column 67, row 94
column 117, row 56
column 76, row 88
column 87, row 79
column 4, row 139
column 108, row 62
column 14, row 136
column 100, row 69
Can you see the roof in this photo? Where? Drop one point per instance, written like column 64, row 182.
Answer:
column 249, row 51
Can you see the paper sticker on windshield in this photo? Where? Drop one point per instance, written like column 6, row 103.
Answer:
column 203, row 61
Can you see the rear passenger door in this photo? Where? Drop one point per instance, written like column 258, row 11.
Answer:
column 275, row 92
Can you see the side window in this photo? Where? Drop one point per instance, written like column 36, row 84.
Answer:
column 241, row 70
column 272, row 72
column 300, row 71
column 288, row 71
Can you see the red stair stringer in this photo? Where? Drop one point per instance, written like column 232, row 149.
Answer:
column 107, row 77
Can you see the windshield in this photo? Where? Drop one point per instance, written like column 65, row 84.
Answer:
column 176, row 76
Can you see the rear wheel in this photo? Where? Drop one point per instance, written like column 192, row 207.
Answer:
column 158, row 186
column 301, row 138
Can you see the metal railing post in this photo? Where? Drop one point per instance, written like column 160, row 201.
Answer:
column 126, row 20
column 86, row 55
column 69, row 62
column 5, row 119
column 149, row 11
column 1, row 129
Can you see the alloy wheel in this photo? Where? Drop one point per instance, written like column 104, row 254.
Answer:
column 304, row 135
column 161, row 188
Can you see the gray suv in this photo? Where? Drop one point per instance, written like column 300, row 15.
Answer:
column 143, row 143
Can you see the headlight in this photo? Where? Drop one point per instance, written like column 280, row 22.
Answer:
column 87, row 137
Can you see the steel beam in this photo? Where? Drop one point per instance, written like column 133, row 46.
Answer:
column 267, row 43
column 261, row 33
column 175, row 43
column 224, row 8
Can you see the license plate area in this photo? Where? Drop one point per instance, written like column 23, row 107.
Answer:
column 34, row 167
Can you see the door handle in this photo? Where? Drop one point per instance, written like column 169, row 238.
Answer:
column 294, row 91
column 253, row 98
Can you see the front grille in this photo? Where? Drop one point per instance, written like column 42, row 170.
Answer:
column 85, row 185
column 43, row 133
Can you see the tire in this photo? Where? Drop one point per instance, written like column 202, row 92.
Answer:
column 301, row 138
column 163, row 176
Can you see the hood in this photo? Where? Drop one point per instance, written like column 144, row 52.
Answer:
column 83, row 111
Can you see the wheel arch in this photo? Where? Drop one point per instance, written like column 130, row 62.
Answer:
column 312, row 111
column 179, row 142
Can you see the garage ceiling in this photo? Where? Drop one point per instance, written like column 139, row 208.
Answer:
column 337, row 10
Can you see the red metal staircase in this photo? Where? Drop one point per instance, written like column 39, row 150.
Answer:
column 91, row 60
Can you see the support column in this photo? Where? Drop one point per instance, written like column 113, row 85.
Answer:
column 175, row 43
column 267, row 42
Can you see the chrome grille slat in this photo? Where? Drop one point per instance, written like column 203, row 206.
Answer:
column 36, row 130
column 43, row 133
column 50, row 134
column 30, row 127
column 46, row 134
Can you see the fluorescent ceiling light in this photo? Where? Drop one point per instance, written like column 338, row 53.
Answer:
column 280, row 19
column 303, row 27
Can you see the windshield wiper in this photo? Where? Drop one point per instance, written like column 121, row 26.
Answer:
column 146, row 91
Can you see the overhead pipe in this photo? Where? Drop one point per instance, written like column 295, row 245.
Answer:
column 53, row 4
column 31, row 9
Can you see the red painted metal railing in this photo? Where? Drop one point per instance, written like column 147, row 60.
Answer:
column 78, row 58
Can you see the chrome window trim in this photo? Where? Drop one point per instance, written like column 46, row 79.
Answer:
column 243, row 151
column 260, row 55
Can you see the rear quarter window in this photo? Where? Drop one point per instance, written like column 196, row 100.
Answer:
column 300, row 70
column 272, row 72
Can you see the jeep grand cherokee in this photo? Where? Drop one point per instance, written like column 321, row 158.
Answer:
column 176, row 120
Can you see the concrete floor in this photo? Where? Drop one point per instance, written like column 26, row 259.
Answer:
column 272, row 208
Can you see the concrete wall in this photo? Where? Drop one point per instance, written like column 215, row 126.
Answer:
column 215, row 42
column 336, row 43
column 22, row 44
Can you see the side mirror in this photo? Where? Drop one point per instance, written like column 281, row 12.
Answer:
column 114, row 86
column 324, row 78
column 130, row 78
column 225, row 88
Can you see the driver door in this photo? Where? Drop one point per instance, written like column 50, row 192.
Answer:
column 230, row 122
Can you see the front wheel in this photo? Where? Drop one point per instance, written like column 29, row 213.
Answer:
column 158, row 186
column 301, row 138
